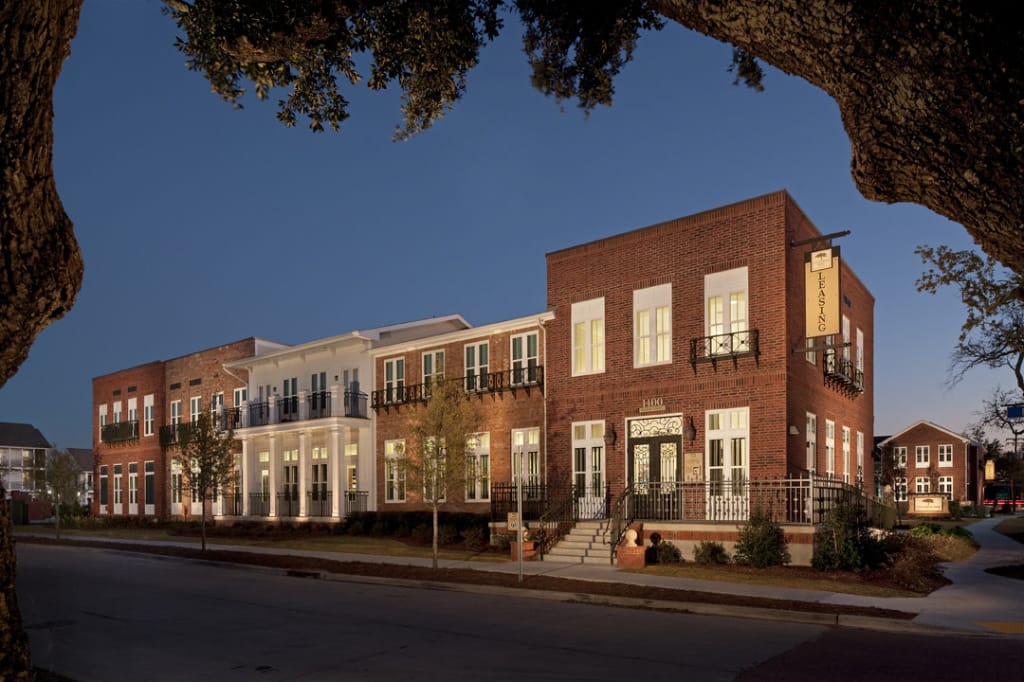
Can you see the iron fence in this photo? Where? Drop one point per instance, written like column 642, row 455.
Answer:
column 318, row 502
column 355, row 501
column 259, row 504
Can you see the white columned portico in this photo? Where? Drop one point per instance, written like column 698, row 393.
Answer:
column 337, row 467
column 303, row 474
column 272, row 478
column 247, row 469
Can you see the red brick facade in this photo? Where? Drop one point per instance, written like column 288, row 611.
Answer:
column 198, row 374
column 509, row 406
column 937, row 460
column 777, row 386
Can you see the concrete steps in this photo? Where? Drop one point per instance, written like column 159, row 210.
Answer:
column 586, row 543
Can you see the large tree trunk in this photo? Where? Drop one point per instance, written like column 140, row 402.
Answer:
column 929, row 94
column 15, row 663
column 40, row 263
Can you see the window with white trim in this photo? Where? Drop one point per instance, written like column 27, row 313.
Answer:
column 860, row 457
column 150, row 483
column 899, row 456
column 117, row 412
column 860, row 349
column 587, row 318
column 133, row 482
column 433, row 367
column 922, row 484
column 846, row 454
column 946, row 486
column 175, row 412
column 812, row 442
column 394, row 470
column 148, row 418
column 239, row 396
column 103, row 420
column 846, row 338
column 728, row 458
column 899, row 490
column 652, row 325
column 478, row 467
column 175, row 482
column 435, row 474
column 725, row 312
column 117, row 483
column 526, row 449
column 830, row 448
column 810, row 355
column 921, row 457
column 946, row 455
column 195, row 406
column 525, row 358
column 394, row 380
column 477, row 365
column 133, row 410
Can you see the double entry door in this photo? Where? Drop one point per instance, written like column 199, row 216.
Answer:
column 655, row 468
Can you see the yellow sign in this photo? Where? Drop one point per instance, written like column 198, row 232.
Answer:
column 822, row 292
column 513, row 522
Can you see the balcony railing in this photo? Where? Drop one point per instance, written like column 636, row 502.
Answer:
column 259, row 413
column 172, row 434
column 490, row 382
column 120, row 432
column 288, row 409
column 318, row 502
column 355, row 501
column 842, row 373
column 288, row 502
column 259, row 504
column 232, row 504
column 729, row 346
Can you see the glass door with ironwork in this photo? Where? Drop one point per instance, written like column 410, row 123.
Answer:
column 654, row 470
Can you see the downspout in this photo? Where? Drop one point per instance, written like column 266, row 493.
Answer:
column 545, row 401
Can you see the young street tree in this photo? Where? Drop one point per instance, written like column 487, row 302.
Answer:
column 440, row 465
column 205, row 454
column 61, row 482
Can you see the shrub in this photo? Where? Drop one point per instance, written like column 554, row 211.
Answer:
column 761, row 543
column 710, row 553
column 502, row 542
column 474, row 538
column 845, row 543
column 666, row 553
column 446, row 534
column 423, row 534
column 912, row 565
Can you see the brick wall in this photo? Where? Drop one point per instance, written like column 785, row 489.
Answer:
column 964, row 468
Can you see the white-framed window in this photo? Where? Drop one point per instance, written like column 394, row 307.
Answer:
column 588, row 337
column 921, row 456
column 239, row 396
column 728, row 456
column 860, row 457
column 725, row 312
column 525, row 358
column 104, row 491
column 526, row 449
column 846, row 454
column 394, row 470
column 150, row 485
column 900, row 489
column 899, row 455
column 175, row 412
column 435, row 463
column 588, row 465
column 133, row 410
column 860, row 349
column 846, row 338
column 175, row 482
column 946, row 486
column 830, row 448
column 148, row 418
column 318, row 481
column 103, row 421
column 394, row 380
column 117, row 412
column 946, row 455
column 478, row 467
column 477, row 365
column 117, row 483
column 922, row 484
column 195, row 406
column 133, row 482
column 433, row 367
column 652, row 325
column 217, row 403
column 812, row 442
column 810, row 356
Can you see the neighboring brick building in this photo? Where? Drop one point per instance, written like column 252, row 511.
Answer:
column 677, row 354
column 137, row 414
column 501, row 366
column 930, row 459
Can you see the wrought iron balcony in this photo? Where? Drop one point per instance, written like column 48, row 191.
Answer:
column 231, row 418
column 842, row 373
column 173, row 434
column 729, row 346
column 318, row 502
column 525, row 378
column 120, row 432
column 259, row 414
column 288, row 409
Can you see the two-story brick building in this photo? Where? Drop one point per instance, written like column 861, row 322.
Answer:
column 928, row 459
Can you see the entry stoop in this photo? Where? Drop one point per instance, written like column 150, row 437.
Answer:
column 586, row 543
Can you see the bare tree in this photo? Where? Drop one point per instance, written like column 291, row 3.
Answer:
column 62, row 484
column 205, row 453
column 439, row 464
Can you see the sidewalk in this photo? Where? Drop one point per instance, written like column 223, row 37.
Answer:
column 976, row 602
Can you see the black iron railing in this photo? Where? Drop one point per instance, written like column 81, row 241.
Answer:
column 231, row 418
column 491, row 382
column 842, row 373
column 232, row 504
column 728, row 346
column 355, row 404
column 173, row 434
column 288, row 409
column 355, row 501
column 120, row 432
column 288, row 502
column 259, row 413
column 318, row 502
column 259, row 504
column 319, row 404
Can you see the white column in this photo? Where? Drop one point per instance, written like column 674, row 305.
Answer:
column 337, row 467
column 244, row 474
column 303, row 405
column 303, row 474
column 367, row 470
column 274, row 463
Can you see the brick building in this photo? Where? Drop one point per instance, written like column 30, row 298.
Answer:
column 930, row 459
column 678, row 366
column 137, row 417
column 501, row 366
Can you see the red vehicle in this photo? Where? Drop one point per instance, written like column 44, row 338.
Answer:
column 998, row 495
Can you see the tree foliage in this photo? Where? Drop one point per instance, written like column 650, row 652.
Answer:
column 439, row 465
column 992, row 335
column 62, row 486
column 205, row 453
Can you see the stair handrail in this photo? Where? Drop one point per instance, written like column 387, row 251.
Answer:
column 556, row 521
column 620, row 520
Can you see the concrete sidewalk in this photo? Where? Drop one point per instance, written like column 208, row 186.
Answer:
column 976, row 602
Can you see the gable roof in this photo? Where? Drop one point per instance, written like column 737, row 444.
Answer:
column 83, row 456
column 17, row 435
column 925, row 422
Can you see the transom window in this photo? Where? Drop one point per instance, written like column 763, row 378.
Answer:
column 652, row 325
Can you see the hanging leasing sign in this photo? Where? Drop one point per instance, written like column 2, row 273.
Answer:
column 821, row 277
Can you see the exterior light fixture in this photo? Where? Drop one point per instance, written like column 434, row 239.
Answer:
column 610, row 436
column 793, row 430
column 690, row 431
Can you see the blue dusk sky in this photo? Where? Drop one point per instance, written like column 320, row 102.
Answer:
column 201, row 224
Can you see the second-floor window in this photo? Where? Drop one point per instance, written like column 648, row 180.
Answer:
column 394, row 380
column 921, row 457
column 175, row 412
column 726, row 311
column 899, row 455
column 433, row 367
column 477, row 362
column 946, row 455
column 652, row 325
column 830, row 447
column 588, row 337
column 148, row 418
column 240, row 396
column 195, row 406
column 524, row 358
